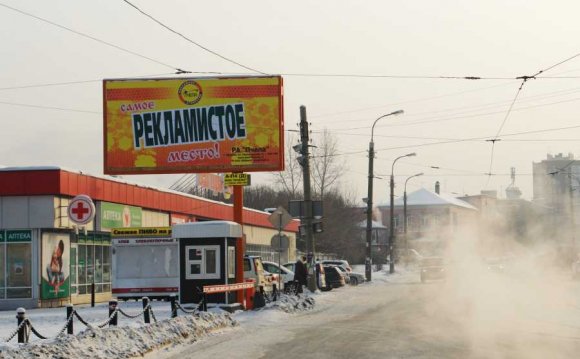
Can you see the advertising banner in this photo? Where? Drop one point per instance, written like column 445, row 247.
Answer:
column 115, row 215
column 193, row 125
column 55, row 266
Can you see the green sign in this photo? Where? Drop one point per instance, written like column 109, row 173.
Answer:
column 2, row 236
column 19, row 236
column 118, row 215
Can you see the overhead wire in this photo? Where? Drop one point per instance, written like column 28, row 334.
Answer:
column 190, row 40
column 92, row 38
column 524, row 79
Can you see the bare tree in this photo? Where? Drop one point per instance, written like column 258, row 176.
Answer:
column 327, row 168
column 290, row 179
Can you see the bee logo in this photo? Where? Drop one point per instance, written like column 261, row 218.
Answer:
column 190, row 92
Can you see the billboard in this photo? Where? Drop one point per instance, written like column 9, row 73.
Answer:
column 55, row 282
column 193, row 125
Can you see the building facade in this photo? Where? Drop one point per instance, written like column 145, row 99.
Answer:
column 432, row 220
column 46, row 261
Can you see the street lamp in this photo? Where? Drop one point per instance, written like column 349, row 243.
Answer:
column 368, row 270
column 405, row 215
column 392, row 223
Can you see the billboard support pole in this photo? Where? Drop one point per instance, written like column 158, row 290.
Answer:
column 238, row 217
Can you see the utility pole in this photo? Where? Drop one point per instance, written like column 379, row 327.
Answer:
column 305, row 162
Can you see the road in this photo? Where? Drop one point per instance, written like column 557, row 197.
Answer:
column 495, row 316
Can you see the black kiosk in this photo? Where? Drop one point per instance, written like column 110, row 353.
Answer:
column 207, row 256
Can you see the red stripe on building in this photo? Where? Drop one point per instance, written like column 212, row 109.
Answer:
column 65, row 183
column 139, row 94
column 245, row 91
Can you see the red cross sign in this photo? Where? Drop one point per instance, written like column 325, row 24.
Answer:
column 81, row 209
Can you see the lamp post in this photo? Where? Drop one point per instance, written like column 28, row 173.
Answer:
column 405, row 215
column 392, row 222
column 368, row 271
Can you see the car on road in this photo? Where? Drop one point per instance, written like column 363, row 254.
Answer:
column 497, row 265
column 432, row 268
column 576, row 269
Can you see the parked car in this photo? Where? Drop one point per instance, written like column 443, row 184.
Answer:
column 272, row 267
column 343, row 273
column 432, row 268
column 338, row 262
column 253, row 268
column 356, row 278
column 334, row 278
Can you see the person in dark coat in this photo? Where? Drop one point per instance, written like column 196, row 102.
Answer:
column 301, row 273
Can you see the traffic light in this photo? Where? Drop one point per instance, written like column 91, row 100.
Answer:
column 299, row 148
column 317, row 227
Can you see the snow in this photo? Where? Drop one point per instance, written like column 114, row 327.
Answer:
column 424, row 197
column 132, row 337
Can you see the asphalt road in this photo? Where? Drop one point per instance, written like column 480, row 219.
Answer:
column 495, row 316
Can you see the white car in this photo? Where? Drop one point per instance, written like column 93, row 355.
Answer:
column 338, row 262
column 287, row 274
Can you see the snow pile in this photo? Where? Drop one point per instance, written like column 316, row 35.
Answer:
column 291, row 303
column 122, row 342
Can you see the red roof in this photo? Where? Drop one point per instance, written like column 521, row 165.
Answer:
column 31, row 181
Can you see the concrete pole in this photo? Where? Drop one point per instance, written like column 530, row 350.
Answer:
column 305, row 139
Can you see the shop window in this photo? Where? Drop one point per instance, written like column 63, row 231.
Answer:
column 73, row 270
column 202, row 262
column 106, row 264
column 92, row 262
column 2, row 271
column 18, row 270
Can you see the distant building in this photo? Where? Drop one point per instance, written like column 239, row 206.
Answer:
column 432, row 218
column 556, row 190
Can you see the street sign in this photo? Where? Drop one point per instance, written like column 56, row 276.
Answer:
column 281, row 242
column 237, row 179
column 280, row 218
column 298, row 209
column 81, row 209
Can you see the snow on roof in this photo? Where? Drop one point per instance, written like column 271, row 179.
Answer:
column 424, row 197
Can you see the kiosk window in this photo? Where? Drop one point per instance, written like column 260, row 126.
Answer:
column 202, row 262
column 231, row 262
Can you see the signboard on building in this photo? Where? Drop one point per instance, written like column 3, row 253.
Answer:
column 55, row 271
column 115, row 215
column 237, row 179
column 140, row 232
column 81, row 210
column 193, row 125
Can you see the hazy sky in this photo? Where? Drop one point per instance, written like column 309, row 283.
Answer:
column 491, row 38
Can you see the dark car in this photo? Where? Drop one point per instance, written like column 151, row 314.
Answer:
column 334, row 278
column 432, row 268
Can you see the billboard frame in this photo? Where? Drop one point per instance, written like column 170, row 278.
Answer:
column 223, row 168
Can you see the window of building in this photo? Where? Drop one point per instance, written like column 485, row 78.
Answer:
column 2, row 271
column 15, row 264
column 18, row 270
column 202, row 262
column 91, row 262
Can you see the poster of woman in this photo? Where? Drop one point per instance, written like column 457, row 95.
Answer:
column 55, row 265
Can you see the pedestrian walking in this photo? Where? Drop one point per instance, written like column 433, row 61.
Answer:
column 300, row 273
